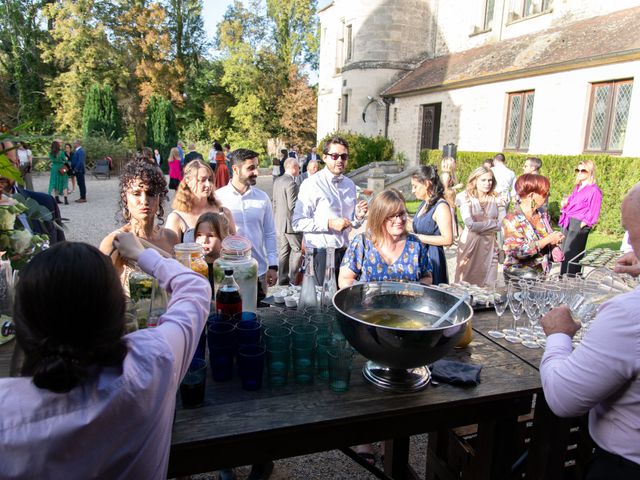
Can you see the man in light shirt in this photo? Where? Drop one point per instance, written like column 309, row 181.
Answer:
column 602, row 375
column 505, row 178
column 252, row 212
column 326, row 209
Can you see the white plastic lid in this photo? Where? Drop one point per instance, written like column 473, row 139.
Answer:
column 236, row 245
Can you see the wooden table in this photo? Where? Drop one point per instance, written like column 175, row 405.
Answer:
column 236, row 427
column 239, row 428
column 551, row 434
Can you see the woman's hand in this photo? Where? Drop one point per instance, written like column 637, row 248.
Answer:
column 555, row 238
column 128, row 246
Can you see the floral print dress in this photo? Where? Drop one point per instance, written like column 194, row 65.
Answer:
column 520, row 237
column 365, row 261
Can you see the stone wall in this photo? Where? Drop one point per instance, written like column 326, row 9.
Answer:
column 474, row 118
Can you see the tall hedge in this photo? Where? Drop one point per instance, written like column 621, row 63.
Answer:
column 161, row 126
column 362, row 149
column 100, row 114
column 614, row 175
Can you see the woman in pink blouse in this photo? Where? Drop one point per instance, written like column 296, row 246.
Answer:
column 580, row 212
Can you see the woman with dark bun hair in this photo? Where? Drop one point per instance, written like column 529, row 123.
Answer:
column 432, row 223
column 92, row 401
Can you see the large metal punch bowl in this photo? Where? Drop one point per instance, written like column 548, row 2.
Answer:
column 398, row 357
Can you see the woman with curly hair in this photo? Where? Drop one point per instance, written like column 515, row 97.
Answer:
column 58, row 180
column 143, row 191
column 195, row 196
column 432, row 223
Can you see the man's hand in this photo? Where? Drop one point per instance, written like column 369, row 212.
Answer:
column 339, row 224
column 128, row 246
column 628, row 263
column 361, row 209
column 272, row 277
column 559, row 320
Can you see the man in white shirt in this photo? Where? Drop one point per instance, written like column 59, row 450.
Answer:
column 252, row 212
column 505, row 178
column 326, row 209
column 26, row 164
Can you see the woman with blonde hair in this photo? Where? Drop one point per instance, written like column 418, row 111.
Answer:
column 386, row 252
column 482, row 212
column 451, row 185
column 195, row 196
column 579, row 213
column 175, row 168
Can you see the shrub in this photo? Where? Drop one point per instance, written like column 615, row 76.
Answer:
column 362, row 149
column 161, row 125
column 615, row 177
column 100, row 114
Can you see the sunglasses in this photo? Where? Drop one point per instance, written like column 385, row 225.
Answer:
column 582, row 170
column 335, row 156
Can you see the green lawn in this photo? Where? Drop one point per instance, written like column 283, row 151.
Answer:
column 596, row 239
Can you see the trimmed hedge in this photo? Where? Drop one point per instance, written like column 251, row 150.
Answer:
column 615, row 177
column 362, row 149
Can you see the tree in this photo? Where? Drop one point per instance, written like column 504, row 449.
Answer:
column 161, row 125
column 80, row 54
column 297, row 108
column 100, row 113
column 21, row 94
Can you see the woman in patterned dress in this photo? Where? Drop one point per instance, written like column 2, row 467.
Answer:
column 386, row 252
column 528, row 236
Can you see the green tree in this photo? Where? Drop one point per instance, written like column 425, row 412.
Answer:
column 22, row 70
column 297, row 109
column 161, row 125
column 100, row 113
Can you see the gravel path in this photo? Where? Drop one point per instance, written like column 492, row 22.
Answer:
column 90, row 222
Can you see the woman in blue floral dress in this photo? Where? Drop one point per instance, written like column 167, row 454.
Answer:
column 386, row 252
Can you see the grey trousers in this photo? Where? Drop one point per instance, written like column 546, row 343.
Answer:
column 289, row 257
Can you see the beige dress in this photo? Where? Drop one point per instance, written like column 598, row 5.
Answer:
column 477, row 256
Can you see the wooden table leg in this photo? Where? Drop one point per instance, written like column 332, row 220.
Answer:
column 396, row 459
column 549, row 441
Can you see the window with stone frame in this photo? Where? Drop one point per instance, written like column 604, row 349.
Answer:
column 349, row 41
column 608, row 113
column 344, row 108
column 519, row 117
column 487, row 18
column 520, row 9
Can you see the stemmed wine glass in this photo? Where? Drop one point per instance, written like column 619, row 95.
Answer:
column 500, row 302
column 515, row 295
column 532, row 303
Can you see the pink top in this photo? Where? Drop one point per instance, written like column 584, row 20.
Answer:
column 601, row 376
column 583, row 204
column 175, row 169
column 118, row 423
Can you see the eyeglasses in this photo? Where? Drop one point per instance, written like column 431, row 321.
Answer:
column 335, row 156
column 582, row 170
column 398, row 216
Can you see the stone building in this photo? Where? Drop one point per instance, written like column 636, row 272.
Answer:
column 536, row 76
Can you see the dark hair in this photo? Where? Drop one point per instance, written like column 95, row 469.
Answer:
column 151, row 176
column 532, row 183
column 237, row 157
column 216, row 221
column 488, row 163
column 499, row 157
column 334, row 141
column 535, row 161
column 429, row 173
column 227, row 146
column 61, row 340
column 55, row 148
column 68, row 145
column 217, row 146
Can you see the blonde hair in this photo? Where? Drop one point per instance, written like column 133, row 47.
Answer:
column 174, row 154
column 183, row 202
column 591, row 167
column 385, row 204
column 472, row 181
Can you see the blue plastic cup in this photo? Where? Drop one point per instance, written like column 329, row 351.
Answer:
column 248, row 332
column 251, row 366
column 193, row 384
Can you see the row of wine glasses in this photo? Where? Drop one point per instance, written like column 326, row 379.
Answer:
column 534, row 298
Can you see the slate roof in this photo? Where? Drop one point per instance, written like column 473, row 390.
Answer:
column 595, row 41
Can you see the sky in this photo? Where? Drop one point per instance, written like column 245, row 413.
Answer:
column 212, row 13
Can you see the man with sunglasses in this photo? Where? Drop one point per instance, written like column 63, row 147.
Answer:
column 327, row 207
